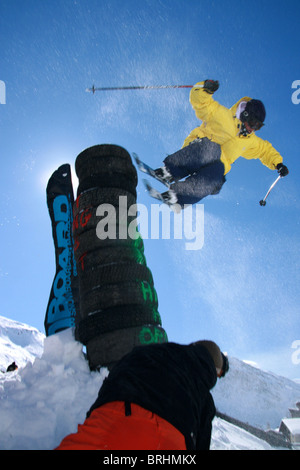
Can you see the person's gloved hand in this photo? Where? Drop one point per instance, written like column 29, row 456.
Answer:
column 210, row 86
column 282, row 169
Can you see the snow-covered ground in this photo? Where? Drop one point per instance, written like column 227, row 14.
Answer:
column 53, row 388
column 19, row 342
column 254, row 396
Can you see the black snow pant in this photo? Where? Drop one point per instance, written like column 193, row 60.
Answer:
column 199, row 163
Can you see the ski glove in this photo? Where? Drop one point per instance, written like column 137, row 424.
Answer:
column 282, row 169
column 210, row 86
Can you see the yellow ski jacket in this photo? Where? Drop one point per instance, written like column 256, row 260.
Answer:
column 221, row 125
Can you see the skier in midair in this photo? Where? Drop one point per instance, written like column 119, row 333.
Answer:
column 198, row 169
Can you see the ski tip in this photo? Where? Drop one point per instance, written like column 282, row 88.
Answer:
column 147, row 184
column 153, row 192
column 136, row 157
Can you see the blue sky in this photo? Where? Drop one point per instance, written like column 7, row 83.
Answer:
column 242, row 287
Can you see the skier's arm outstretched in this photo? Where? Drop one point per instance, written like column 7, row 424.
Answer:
column 219, row 124
column 201, row 99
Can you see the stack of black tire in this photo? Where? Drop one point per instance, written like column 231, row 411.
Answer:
column 118, row 301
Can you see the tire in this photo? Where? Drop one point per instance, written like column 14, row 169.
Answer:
column 112, row 295
column 114, row 274
column 95, row 197
column 116, row 217
column 116, row 318
column 105, row 150
column 109, row 256
column 117, row 181
column 106, row 165
column 108, row 348
column 88, row 241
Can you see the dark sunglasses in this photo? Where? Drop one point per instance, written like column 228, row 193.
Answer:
column 254, row 123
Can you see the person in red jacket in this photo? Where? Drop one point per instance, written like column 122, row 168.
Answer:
column 157, row 397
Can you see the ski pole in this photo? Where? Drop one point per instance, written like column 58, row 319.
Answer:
column 146, row 87
column 263, row 201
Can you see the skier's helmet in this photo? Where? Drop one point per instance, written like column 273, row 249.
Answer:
column 254, row 114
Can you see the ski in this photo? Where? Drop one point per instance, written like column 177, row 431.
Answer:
column 158, row 195
column 153, row 192
column 142, row 166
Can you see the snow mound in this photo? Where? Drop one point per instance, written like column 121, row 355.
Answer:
column 46, row 400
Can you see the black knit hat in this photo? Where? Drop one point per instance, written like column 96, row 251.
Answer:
column 220, row 360
column 255, row 110
column 214, row 351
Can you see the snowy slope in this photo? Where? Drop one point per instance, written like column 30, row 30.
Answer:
column 18, row 342
column 254, row 396
column 45, row 399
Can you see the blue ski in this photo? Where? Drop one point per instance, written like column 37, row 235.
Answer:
column 153, row 192
column 147, row 169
